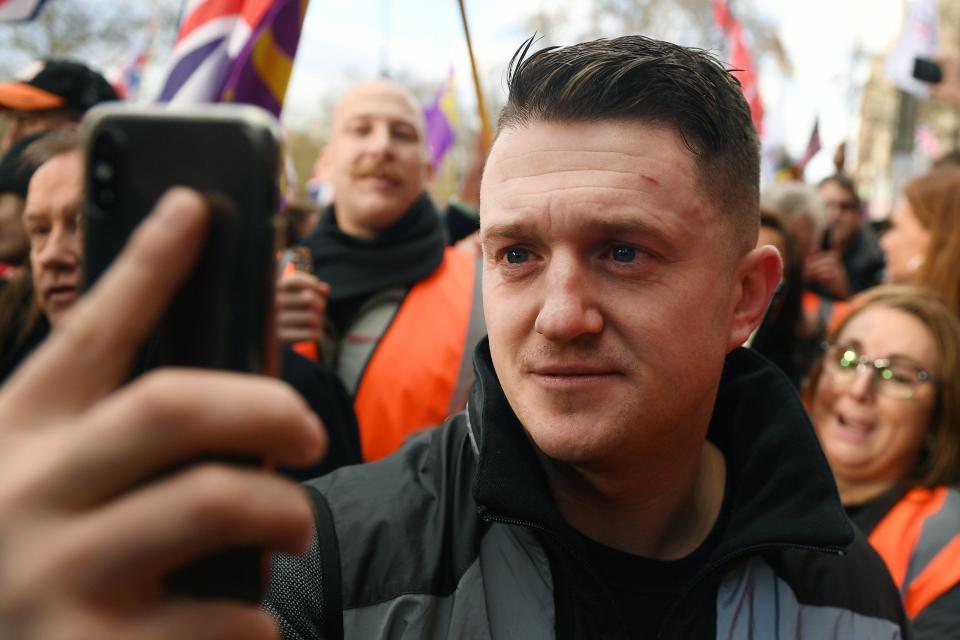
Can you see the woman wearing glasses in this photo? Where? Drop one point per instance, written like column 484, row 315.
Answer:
column 923, row 243
column 885, row 402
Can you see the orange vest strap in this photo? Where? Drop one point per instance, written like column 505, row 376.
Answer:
column 409, row 381
column 896, row 535
column 937, row 578
column 830, row 313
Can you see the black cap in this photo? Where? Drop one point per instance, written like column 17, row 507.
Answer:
column 15, row 170
column 57, row 84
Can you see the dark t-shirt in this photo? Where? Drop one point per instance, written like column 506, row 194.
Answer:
column 643, row 590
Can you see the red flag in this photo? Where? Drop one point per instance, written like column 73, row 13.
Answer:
column 740, row 59
column 813, row 146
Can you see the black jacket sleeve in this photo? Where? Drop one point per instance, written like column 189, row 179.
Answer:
column 321, row 388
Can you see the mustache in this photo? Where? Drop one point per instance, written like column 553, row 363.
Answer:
column 367, row 167
column 583, row 352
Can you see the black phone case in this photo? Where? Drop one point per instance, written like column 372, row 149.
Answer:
column 222, row 317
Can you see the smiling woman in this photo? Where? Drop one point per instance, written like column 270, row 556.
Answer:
column 885, row 402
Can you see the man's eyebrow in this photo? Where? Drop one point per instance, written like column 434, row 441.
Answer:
column 506, row 231
column 612, row 227
column 34, row 215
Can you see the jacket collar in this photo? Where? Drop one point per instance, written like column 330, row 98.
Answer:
column 780, row 491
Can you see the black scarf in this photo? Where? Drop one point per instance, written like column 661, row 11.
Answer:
column 402, row 254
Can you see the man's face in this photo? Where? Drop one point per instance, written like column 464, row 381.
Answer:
column 607, row 288
column 13, row 239
column 843, row 216
column 376, row 159
column 51, row 218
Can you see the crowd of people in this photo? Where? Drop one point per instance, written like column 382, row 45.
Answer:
column 536, row 422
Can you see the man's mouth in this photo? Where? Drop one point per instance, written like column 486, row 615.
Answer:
column 61, row 293
column 573, row 374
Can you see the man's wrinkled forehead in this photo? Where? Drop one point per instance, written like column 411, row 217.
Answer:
column 378, row 99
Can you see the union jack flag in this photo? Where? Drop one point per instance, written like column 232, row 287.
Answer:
column 235, row 51
column 19, row 10
column 126, row 75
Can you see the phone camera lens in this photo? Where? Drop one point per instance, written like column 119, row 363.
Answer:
column 103, row 172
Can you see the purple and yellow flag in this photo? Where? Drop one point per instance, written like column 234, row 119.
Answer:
column 441, row 117
column 235, row 51
column 19, row 10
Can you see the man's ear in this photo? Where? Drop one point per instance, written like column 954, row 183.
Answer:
column 757, row 277
column 429, row 171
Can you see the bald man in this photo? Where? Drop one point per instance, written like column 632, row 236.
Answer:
column 397, row 312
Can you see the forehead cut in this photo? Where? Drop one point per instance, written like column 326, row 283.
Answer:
column 539, row 164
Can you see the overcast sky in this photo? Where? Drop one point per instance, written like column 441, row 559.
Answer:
column 344, row 42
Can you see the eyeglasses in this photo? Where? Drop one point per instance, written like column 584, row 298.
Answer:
column 894, row 377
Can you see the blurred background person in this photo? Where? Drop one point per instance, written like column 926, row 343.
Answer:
column 42, row 298
column 396, row 312
column 849, row 259
column 922, row 245
column 56, row 93
column 15, row 173
column 780, row 336
column 885, row 403
column 799, row 206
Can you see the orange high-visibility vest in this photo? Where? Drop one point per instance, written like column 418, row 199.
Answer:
column 829, row 312
column 919, row 539
column 422, row 368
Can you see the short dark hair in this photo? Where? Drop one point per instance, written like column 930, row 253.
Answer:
column 66, row 139
column 846, row 183
column 637, row 78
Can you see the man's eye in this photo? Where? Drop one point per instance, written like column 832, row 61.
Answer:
column 517, row 255
column 405, row 135
column 623, row 253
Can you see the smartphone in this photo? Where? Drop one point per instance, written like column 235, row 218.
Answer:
column 927, row 70
column 222, row 318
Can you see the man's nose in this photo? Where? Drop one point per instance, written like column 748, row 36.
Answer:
column 569, row 309
column 379, row 140
column 61, row 250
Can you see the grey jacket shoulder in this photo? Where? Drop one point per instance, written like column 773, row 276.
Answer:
column 425, row 485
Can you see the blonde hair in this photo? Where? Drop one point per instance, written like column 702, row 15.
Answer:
column 940, row 464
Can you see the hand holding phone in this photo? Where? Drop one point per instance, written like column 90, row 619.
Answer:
column 83, row 541
column 221, row 318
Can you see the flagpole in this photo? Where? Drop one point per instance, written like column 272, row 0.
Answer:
column 485, row 132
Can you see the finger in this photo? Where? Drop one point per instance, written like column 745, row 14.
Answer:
column 91, row 353
column 165, row 525
column 169, row 417
column 201, row 621
column 298, row 280
column 299, row 335
column 299, row 320
column 305, row 300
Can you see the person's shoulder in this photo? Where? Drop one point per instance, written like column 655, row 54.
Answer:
column 404, row 524
column 432, row 459
column 856, row 584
